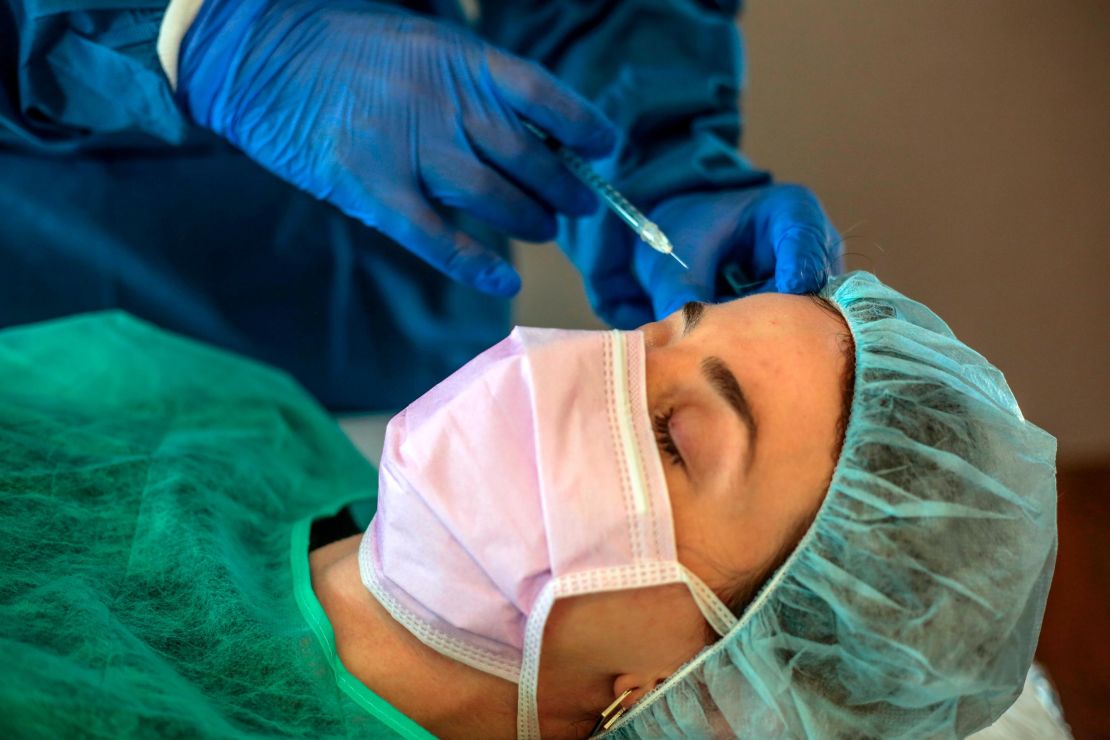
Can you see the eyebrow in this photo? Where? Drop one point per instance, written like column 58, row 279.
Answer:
column 727, row 387
column 722, row 379
column 691, row 315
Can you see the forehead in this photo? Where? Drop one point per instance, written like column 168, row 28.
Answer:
column 786, row 318
column 790, row 352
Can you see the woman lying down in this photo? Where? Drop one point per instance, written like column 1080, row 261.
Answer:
column 781, row 516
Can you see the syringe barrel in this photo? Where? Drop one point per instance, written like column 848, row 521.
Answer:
column 612, row 197
column 644, row 228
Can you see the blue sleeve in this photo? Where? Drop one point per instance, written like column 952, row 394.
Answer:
column 668, row 72
column 78, row 74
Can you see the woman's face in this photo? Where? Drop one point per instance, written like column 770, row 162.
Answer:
column 746, row 397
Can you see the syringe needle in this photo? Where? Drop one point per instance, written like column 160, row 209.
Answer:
column 648, row 231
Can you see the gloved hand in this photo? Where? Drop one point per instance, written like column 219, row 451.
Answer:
column 775, row 237
column 390, row 116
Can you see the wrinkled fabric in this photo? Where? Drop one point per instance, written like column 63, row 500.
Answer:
column 155, row 502
column 393, row 117
column 209, row 245
column 912, row 606
column 84, row 75
column 151, row 214
column 670, row 75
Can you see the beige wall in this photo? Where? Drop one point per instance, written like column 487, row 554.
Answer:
column 967, row 145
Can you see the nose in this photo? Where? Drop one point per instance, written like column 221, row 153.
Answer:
column 654, row 334
column 664, row 332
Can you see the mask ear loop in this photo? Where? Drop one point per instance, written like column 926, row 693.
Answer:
column 527, row 704
column 719, row 616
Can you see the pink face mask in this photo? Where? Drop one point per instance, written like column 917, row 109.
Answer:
column 529, row 475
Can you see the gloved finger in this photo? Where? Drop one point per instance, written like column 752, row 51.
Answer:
column 413, row 224
column 627, row 315
column 740, row 284
column 465, row 183
column 665, row 305
column 619, row 301
column 539, row 96
column 792, row 219
column 528, row 161
column 670, row 285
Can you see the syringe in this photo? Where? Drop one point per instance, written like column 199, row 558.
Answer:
column 641, row 224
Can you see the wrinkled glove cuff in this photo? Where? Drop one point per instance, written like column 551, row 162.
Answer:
column 210, row 53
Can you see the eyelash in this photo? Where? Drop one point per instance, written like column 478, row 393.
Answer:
column 661, row 423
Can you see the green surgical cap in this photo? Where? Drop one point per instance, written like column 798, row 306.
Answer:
column 912, row 605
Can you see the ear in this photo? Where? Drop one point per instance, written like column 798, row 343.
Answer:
column 638, row 684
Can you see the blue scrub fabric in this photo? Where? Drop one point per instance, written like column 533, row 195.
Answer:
column 206, row 243
column 110, row 198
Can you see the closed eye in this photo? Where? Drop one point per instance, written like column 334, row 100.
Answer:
column 661, row 423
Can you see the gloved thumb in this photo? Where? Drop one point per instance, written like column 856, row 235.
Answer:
column 801, row 235
column 628, row 315
column 619, row 301
column 669, row 285
column 665, row 305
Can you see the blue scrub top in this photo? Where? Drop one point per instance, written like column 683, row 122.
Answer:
column 204, row 242
column 110, row 198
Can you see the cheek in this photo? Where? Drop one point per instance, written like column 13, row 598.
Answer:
column 651, row 629
column 667, row 627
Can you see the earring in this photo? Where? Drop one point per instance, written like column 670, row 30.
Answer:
column 612, row 713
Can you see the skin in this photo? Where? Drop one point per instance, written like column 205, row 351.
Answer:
column 737, row 500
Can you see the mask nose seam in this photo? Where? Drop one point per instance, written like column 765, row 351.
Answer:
column 613, row 409
column 637, row 390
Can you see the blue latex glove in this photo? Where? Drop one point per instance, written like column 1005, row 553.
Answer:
column 392, row 116
column 738, row 242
